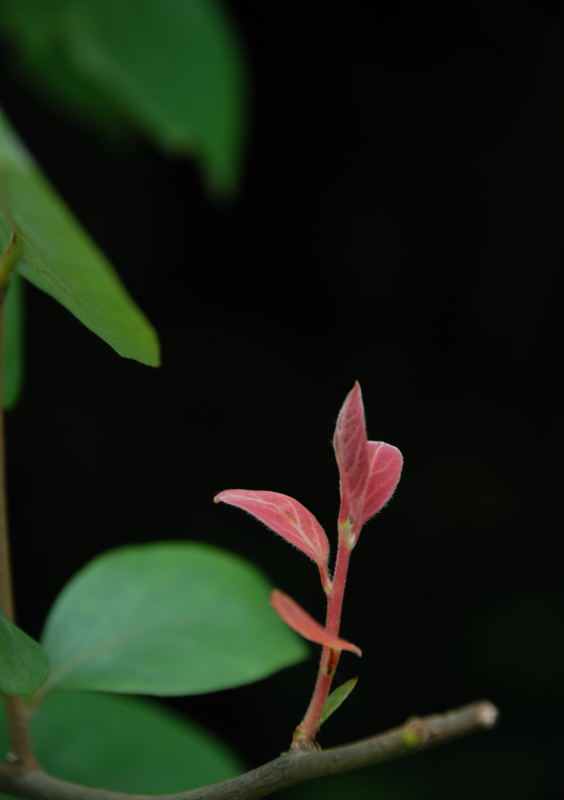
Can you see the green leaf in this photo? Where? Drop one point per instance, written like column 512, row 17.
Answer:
column 166, row 619
column 174, row 69
column 57, row 256
column 337, row 698
column 23, row 662
column 36, row 31
column 13, row 341
column 124, row 744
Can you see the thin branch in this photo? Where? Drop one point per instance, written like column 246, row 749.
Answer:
column 20, row 740
column 6, row 594
column 418, row 733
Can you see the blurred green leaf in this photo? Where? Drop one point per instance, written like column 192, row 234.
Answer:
column 173, row 69
column 37, row 31
column 337, row 698
column 125, row 744
column 13, row 341
column 166, row 619
column 23, row 662
column 59, row 258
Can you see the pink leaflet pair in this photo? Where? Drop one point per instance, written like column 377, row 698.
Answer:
column 368, row 473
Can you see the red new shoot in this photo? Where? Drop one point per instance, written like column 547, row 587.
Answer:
column 368, row 474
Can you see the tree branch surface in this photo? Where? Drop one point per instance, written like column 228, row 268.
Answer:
column 417, row 734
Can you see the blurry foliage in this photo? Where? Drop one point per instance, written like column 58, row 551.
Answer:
column 124, row 744
column 71, row 52
column 170, row 69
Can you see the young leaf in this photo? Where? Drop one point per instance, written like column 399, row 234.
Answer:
column 284, row 516
column 337, row 698
column 385, row 464
column 13, row 344
column 58, row 257
column 165, row 619
column 23, row 663
column 300, row 621
column 124, row 744
column 351, row 452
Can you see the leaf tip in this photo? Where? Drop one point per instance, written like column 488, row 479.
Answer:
column 225, row 496
column 276, row 595
column 337, row 698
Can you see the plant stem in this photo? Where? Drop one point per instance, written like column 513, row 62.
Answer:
column 289, row 769
column 6, row 594
column 20, row 742
column 304, row 735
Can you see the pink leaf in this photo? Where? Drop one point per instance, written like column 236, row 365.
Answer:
column 285, row 516
column 300, row 621
column 385, row 463
column 350, row 445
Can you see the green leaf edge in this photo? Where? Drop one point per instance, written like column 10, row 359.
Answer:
column 53, row 685
column 145, row 348
column 22, row 643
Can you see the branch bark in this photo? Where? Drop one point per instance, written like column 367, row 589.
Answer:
column 418, row 733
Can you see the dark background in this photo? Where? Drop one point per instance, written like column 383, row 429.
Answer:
column 400, row 222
